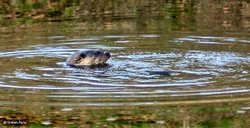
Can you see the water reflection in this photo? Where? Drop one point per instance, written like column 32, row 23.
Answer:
column 205, row 46
column 194, row 72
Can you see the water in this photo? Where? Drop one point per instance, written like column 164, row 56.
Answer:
column 206, row 52
column 204, row 66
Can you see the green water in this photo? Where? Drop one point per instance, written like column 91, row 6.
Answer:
column 204, row 44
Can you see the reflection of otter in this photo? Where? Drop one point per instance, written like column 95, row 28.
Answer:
column 88, row 58
column 97, row 58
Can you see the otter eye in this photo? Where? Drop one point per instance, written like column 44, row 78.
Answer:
column 83, row 55
column 98, row 53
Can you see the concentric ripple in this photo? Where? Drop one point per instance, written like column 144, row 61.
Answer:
column 207, row 73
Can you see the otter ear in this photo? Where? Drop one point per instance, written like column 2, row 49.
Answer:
column 83, row 55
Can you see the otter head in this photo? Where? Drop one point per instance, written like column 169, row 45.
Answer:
column 88, row 58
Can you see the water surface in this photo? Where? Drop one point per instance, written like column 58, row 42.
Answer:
column 204, row 44
column 201, row 65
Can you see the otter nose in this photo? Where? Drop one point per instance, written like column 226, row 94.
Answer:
column 107, row 54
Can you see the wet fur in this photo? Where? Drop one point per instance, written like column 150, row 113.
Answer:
column 88, row 58
column 97, row 59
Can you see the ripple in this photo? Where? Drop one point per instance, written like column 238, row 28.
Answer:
column 48, row 52
column 216, row 58
column 116, row 36
column 203, row 73
column 209, row 40
column 149, row 36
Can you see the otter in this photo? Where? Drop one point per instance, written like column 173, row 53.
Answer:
column 97, row 58
column 88, row 58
